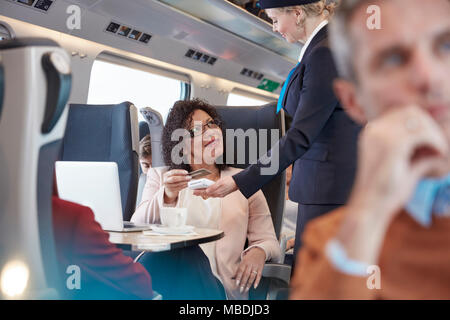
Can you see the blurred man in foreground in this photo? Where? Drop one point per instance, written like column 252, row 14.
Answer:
column 392, row 239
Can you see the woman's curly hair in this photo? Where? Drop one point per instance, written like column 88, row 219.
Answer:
column 180, row 117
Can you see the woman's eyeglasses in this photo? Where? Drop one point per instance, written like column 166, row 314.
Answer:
column 199, row 130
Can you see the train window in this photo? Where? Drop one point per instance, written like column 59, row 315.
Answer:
column 113, row 83
column 238, row 99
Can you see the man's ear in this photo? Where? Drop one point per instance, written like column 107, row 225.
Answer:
column 346, row 93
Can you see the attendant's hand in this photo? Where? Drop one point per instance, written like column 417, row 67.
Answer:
column 174, row 181
column 395, row 152
column 220, row 189
column 250, row 269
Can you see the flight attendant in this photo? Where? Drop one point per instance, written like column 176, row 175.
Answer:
column 321, row 141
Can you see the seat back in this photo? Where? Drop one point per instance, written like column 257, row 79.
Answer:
column 258, row 117
column 155, row 125
column 37, row 82
column 106, row 133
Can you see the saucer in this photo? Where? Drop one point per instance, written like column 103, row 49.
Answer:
column 172, row 230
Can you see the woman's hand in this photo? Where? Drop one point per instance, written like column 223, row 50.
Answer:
column 174, row 181
column 250, row 269
column 220, row 189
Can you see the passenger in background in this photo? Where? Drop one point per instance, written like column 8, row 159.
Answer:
column 392, row 239
column 238, row 268
column 145, row 160
column 145, row 153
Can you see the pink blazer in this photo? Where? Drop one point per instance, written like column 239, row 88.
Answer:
column 241, row 218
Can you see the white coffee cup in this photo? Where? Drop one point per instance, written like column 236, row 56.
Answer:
column 173, row 217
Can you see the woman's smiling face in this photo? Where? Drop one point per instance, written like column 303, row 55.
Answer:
column 207, row 143
column 285, row 23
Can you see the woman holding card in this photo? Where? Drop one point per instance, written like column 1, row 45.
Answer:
column 200, row 147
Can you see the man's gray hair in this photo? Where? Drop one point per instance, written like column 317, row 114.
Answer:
column 340, row 39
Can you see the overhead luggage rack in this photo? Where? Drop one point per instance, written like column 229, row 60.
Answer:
column 238, row 21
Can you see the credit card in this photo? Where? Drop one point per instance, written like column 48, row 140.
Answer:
column 199, row 173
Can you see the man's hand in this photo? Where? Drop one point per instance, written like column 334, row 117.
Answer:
column 220, row 189
column 395, row 152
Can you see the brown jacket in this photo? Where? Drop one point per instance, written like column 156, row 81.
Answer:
column 414, row 262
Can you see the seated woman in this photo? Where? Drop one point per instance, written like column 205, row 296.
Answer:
column 236, row 267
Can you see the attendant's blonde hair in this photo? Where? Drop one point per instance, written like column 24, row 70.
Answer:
column 325, row 7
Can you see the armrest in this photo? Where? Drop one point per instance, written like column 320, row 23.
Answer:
column 283, row 242
column 277, row 271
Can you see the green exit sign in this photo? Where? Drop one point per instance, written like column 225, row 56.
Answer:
column 268, row 85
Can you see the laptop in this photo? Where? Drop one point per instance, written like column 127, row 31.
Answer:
column 95, row 185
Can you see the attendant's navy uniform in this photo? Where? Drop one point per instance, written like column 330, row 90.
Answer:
column 322, row 140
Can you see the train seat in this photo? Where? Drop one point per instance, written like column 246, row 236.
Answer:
column 262, row 117
column 106, row 133
column 37, row 80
